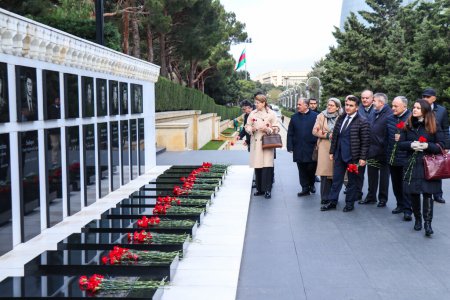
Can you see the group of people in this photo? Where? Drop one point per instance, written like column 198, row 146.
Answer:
column 338, row 143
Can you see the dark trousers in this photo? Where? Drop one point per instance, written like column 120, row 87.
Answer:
column 438, row 195
column 340, row 167
column 403, row 200
column 263, row 179
column 378, row 181
column 427, row 208
column 360, row 182
column 325, row 187
column 307, row 174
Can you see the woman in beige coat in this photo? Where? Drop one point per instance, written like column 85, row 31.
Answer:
column 260, row 122
column 323, row 129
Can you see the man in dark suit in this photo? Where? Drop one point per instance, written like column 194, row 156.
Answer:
column 441, row 115
column 378, row 176
column 246, row 107
column 349, row 145
column 301, row 142
column 29, row 104
column 397, row 158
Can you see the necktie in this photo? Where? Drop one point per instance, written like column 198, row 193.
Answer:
column 347, row 121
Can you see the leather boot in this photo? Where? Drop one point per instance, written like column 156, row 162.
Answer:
column 428, row 214
column 415, row 205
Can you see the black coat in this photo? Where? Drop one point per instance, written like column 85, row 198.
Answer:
column 414, row 181
column 378, row 142
column 243, row 132
column 366, row 114
column 300, row 139
column 359, row 137
column 441, row 116
column 400, row 156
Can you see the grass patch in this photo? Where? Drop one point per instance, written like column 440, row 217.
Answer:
column 212, row 145
column 228, row 131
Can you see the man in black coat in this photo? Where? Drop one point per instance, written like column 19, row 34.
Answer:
column 397, row 158
column 378, row 176
column 349, row 145
column 441, row 115
column 246, row 107
column 301, row 142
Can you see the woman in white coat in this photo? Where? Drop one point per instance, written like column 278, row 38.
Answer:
column 261, row 121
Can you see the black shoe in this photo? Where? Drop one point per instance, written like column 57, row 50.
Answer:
column 407, row 216
column 418, row 225
column 303, row 193
column 428, row 229
column 258, row 193
column 312, row 189
column 381, row 204
column 328, row 206
column 397, row 210
column 348, row 208
column 267, row 195
column 317, row 179
column 439, row 199
column 367, row 201
column 323, row 202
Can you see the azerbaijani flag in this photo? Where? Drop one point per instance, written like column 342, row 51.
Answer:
column 242, row 60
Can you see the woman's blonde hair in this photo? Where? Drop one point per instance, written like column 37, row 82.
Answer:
column 262, row 98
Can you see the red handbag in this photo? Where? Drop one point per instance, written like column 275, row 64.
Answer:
column 437, row 166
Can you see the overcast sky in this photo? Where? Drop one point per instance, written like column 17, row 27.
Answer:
column 286, row 34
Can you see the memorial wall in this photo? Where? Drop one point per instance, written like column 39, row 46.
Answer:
column 76, row 123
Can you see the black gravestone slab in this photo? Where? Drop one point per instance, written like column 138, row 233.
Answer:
column 26, row 94
column 130, row 226
column 106, row 241
column 102, row 103
column 87, row 87
column 123, row 98
column 4, row 98
column 73, row 262
column 52, row 97
column 143, row 203
column 158, row 186
column 141, row 136
column 71, row 96
column 138, row 212
column 155, row 194
column 113, row 98
column 67, row 287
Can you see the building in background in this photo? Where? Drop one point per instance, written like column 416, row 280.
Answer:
column 282, row 78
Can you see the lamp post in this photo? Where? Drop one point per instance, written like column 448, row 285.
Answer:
column 99, row 22
column 311, row 86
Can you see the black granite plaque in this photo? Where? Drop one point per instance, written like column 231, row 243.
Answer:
column 103, row 158
column 71, row 95
column 102, row 103
column 115, row 167
column 136, row 98
column 125, row 143
column 54, row 175
column 5, row 195
column 141, row 146
column 26, row 94
column 113, row 98
column 73, row 168
column 52, row 98
column 123, row 98
column 89, row 170
column 29, row 174
column 87, row 87
column 4, row 98
column 134, row 149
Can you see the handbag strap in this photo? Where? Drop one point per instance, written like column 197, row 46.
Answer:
column 442, row 149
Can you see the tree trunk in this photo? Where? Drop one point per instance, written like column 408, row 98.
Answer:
column 135, row 35
column 162, row 54
column 126, row 32
column 150, row 53
column 191, row 75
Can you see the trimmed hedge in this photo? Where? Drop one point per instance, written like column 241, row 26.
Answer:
column 171, row 96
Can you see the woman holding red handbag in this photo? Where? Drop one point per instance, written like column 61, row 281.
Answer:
column 420, row 136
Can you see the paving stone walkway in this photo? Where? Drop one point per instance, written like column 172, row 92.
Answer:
column 293, row 250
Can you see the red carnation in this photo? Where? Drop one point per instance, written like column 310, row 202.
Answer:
column 400, row 125
column 422, row 139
